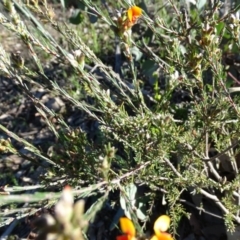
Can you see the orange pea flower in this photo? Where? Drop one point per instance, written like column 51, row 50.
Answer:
column 127, row 228
column 133, row 14
column 160, row 227
column 125, row 20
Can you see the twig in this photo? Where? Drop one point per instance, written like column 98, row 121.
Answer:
column 173, row 168
column 220, row 154
column 8, row 231
column 219, row 203
column 209, row 164
column 199, row 208
column 234, row 78
column 118, row 59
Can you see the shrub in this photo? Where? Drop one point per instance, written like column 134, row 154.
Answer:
column 156, row 105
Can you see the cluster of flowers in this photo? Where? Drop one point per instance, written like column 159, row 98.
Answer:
column 161, row 225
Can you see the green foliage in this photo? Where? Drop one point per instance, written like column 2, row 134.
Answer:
column 166, row 119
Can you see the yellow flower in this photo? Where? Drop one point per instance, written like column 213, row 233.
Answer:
column 161, row 225
column 163, row 236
